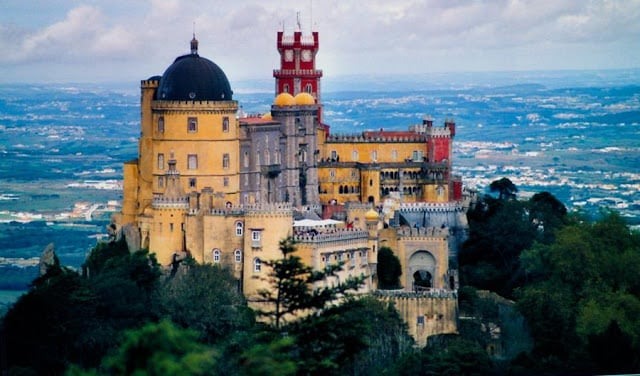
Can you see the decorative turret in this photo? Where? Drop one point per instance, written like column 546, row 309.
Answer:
column 298, row 73
column 173, row 188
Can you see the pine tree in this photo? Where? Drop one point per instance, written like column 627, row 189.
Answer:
column 293, row 289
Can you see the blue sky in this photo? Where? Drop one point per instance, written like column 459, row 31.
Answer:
column 126, row 40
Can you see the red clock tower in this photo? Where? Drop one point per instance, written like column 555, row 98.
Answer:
column 298, row 71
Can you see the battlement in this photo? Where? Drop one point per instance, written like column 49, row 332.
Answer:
column 307, row 73
column 439, row 132
column 435, row 207
column 297, row 39
column 423, row 232
column 345, row 236
column 424, row 293
column 364, row 138
column 161, row 202
column 149, row 84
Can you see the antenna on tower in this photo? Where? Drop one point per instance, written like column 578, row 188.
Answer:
column 298, row 21
column 311, row 14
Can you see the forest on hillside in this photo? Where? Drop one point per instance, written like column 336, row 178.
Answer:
column 573, row 280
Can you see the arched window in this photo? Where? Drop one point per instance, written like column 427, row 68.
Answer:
column 309, row 88
column 216, row 256
column 285, row 88
column 239, row 228
column 238, row 256
column 257, row 265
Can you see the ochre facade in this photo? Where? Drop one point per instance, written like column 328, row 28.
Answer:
column 226, row 188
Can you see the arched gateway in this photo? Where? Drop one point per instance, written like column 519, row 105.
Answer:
column 422, row 267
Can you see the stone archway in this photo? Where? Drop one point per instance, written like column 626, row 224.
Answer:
column 422, row 270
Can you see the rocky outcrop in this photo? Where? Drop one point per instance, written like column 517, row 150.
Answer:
column 48, row 258
column 131, row 235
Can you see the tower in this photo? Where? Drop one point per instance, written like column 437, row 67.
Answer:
column 298, row 71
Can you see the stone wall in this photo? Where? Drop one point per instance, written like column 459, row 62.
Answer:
column 426, row 314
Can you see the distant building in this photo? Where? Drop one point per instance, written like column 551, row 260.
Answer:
column 226, row 189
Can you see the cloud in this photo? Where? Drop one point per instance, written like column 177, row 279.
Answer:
column 373, row 36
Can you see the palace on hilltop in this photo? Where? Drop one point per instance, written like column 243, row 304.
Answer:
column 226, row 188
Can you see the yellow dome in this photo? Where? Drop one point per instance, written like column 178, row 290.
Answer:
column 284, row 99
column 267, row 116
column 304, row 99
column 371, row 215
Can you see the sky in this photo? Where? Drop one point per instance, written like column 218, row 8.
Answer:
column 130, row 40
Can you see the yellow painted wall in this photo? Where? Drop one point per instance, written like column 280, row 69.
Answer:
column 129, row 192
column 209, row 143
column 166, row 235
column 364, row 151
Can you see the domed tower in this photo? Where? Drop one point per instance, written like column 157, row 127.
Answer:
column 188, row 117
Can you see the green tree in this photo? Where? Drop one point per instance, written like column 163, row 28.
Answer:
column 505, row 188
column 455, row 356
column 293, row 289
column 46, row 328
column 205, row 298
column 389, row 269
column 583, row 283
column 360, row 336
column 547, row 214
column 160, row 349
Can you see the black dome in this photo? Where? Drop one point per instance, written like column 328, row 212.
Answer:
column 194, row 78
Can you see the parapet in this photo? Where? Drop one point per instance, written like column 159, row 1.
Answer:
column 160, row 202
column 435, row 207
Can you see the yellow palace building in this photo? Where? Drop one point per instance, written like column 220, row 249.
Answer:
column 225, row 188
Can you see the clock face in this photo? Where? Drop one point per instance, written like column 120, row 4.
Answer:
column 306, row 55
column 288, row 55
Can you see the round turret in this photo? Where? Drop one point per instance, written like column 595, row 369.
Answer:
column 304, row 99
column 284, row 99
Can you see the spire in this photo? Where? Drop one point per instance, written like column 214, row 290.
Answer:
column 194, row 41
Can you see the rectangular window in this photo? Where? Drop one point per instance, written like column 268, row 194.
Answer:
column 160, row 181
column 192, row 124
column 171, row 227
column 334, row 155
column 225, row 160
column 394, row 155
column 374, row 156
column 225, row 181
column 161, row 124
column 192, row 161
column 420, row 320
column 225, row 124
column 160, row 161
column 354, row 155
column 192, row 182
column 255, row 239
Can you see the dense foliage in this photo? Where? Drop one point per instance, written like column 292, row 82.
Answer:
column 389, row 269
column 574, row 280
